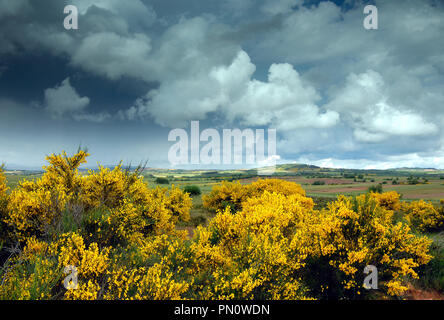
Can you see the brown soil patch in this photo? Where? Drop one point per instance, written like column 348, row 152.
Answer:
column 417, row 294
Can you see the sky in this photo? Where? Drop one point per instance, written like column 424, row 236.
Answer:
column 337, row 94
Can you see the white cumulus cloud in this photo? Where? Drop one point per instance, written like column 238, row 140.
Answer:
column 63, row 100
column 285, row 101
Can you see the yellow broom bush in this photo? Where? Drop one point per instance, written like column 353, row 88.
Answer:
column 388, row 200
column 355, row 232
column 254, row 254
column 38, row 272
column 280, row 186
column 321, row 254
column 226, row 194
column 233, row 194
column 423, row 215
column 35, row 205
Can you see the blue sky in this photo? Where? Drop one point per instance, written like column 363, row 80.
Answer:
column 339, row 95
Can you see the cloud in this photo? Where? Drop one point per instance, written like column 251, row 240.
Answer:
column 365, row 104
column 92, row 117
column 63, row 100
column 285, row 101
column 114, row 56
column 410, row 160
column 134, row 12
column 9, row 8
column 279, row 6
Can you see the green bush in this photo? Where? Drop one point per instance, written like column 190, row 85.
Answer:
column 192, row 190
column 162, row 181
column 376, row 188
column 412, row 180
column 318, row 183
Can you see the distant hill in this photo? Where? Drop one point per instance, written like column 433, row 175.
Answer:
column 414, row 169
column 291, row 166
column 280, row 169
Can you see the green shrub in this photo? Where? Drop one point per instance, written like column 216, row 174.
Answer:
column 319, row 183
column 192, row 190
column 162, row 181
column 375, row 188
column 412, row 180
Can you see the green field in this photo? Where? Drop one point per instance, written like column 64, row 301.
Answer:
column 429, row 186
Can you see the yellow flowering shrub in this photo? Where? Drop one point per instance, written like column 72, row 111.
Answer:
column 31, row 279
column 153, row 283
column 253, row 254
column 280, row 186
column 423, row 215
column 175, row 201
column 355, row 232
column 35, row 205
column 160, row 267
column 38, row 272
column 388, row 200
column 32, row 208
column 86, row 291
column 63, row 170
column 233, row 194
column 278, row 247
column 106, row 212
column 104, row 188
column 226, row 194
column 114, row 203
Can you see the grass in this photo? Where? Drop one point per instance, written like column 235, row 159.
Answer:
column 198, row 216
column 13, row 179
column 431, row 276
